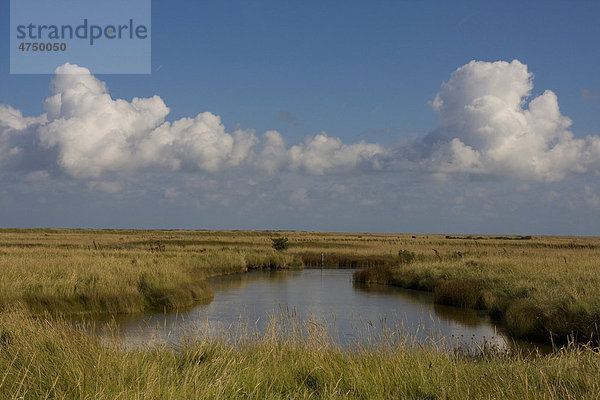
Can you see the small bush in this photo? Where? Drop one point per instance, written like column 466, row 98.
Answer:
column 406, row 257
column 280, row 244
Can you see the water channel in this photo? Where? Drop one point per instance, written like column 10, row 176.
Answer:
column 349, row 312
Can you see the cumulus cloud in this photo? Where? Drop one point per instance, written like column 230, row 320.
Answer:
column 94, row 133
column 273, row 155
column 321, row 154
column 16, row 133
column 490, row 127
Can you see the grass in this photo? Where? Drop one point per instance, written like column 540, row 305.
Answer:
column 542, row 288
column 43, row 358
column 116, row 272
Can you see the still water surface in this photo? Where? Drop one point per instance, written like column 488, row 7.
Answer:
column 349, row 312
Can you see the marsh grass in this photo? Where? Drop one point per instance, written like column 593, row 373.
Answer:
column 379, row 274
column 459, row 293
column 542, row 288
column 335, row 260
column 539, row 288
column 103, row 272
column 50, row 358
column 546, row 285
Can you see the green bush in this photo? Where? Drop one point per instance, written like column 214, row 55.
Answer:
column 280, row 244
column 405, row 256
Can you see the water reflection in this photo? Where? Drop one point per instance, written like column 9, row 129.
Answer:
column 348, row 311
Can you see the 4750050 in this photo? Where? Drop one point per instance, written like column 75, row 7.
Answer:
column 56, row 46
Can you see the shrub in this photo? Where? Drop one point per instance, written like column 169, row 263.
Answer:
column 405, row 256
column 280, row 244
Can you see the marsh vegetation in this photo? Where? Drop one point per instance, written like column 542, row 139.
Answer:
column 543, row 288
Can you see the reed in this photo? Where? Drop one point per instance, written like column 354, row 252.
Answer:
column 108, row 272
column 542, row 288
column 42, row 358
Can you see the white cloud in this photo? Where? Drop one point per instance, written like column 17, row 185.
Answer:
column 92, row 132
column 321, row 154
column 95, row 134
column 490, row 128
column 14, row 129
column 13, row 120
column 487, row 128
column 273, row 155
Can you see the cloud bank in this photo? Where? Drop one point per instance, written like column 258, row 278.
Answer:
column 490, row 127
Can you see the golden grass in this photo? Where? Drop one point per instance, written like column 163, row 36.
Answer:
column 536, row 286
column 42, row 358
column 541, row 287
column 114, row 271
column 544, row 288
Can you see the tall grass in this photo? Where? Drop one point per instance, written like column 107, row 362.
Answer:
column 42, row 358
column 539, row 286
column 99, row 272
column 543, row 288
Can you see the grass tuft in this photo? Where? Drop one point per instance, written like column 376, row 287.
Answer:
column 459, row 293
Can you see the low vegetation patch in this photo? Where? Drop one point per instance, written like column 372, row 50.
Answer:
column 458, row 293
column 335, row 260
column 543, row 289
column 107, row 272
column 381, row 275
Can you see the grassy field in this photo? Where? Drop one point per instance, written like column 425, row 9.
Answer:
column 538, row 287
column 541, row 288
column 47, row 358
column 119, row 271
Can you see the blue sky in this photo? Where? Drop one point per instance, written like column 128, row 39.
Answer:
column 364, row 73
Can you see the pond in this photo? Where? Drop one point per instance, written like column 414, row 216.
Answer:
column 349, row 312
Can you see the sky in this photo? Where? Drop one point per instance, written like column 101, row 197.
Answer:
column 380, row 116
